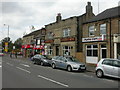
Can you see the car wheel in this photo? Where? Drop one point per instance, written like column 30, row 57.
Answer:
column 41, row 63
column 53, row 66
column 34, row 62
column 69, row 68
column 99, row 73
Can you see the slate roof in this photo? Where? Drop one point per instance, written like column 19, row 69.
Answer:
column 108, row 13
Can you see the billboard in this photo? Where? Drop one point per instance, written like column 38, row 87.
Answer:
column 6, row 46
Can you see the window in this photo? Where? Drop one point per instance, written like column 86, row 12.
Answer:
column 50, row 35
column 103, row 29
column 66, row 50
column 66, row 32
column 116, row 63
column 49, row 50
column 107, row 62
column 91, row 30
column 92, row 50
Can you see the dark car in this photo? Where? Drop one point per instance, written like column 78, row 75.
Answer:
column 40, row 59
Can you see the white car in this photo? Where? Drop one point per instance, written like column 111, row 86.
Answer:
column 108, row 67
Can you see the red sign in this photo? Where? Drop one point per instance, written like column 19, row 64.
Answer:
column 27, row 46
column 67, row 39
column 38, row 47
column 49, row 41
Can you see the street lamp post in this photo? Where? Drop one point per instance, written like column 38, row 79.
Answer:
column 6, row 44
column 8, row 29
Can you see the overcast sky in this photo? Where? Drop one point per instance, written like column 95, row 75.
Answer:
column 21, row 14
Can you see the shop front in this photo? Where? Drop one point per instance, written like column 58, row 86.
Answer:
column 94, row 49
column 39, row 49
column 26, row 50
column 117, row 46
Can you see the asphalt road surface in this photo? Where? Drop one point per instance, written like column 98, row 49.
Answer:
column 18, row 73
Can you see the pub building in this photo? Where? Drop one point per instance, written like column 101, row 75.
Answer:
column 101, row 36
column 64, row 37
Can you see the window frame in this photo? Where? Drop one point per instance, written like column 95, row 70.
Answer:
column 66, row 32
column 92, row 49
column 66, row 50
column 91, row 30
column 103, row 28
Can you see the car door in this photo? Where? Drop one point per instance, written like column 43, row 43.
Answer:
column 107, row 67
column 63, row 63
column 57, row 61
column 116, row 68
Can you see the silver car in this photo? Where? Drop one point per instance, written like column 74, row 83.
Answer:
column 108, row 67
column 67, row 62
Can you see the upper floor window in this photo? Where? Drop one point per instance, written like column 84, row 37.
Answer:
column 66, row 32
column 50, row 35
column 103, row 29
column 91, row 30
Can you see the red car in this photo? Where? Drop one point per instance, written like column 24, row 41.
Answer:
column 1, row 54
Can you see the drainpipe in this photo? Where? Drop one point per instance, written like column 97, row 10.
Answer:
column 110, row 40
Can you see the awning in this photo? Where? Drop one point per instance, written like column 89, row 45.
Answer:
column 27, row 46
column 38, row 47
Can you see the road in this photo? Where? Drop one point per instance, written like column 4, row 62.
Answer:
column 18, row 73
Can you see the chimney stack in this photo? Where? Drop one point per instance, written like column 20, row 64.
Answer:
column 58, row 17
column 89, row 8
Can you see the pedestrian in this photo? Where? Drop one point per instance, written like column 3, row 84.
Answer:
column 11, row 54
column 16, row 54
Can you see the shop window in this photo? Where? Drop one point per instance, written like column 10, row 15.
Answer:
column 49, row 50
column 91, row 30
column 66, row 32
column 92, row 50
column 103, row 29
column 66, row 50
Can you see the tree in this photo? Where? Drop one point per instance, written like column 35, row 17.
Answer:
column 18, row 43
column 10, row 44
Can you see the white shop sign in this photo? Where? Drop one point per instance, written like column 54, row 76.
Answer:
column 101, row 38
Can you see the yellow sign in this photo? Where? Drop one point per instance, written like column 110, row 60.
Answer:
column 6, row 46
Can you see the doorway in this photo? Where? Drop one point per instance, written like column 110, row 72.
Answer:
column 57, row 50
column 103, row 51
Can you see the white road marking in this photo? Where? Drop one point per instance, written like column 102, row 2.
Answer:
column 108, row 80
column 88, row 76
column 53, row 81
column 25, row 65
column 23, row 70
column 9, row 64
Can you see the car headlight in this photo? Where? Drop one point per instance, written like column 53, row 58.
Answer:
column 76, row 66
column 45, row 60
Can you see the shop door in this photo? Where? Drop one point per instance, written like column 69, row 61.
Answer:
column 57, row 50
column 103, row 52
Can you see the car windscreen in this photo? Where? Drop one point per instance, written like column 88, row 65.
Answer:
column 72, row 59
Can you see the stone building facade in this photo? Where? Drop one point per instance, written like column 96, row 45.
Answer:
column 28, row 42
column 64, row 37
column 101, row 36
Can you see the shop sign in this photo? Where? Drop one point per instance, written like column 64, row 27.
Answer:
column 93, row 39
column 67, row 39
column 49, row 41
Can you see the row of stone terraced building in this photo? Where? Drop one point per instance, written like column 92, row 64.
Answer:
column 86, row 37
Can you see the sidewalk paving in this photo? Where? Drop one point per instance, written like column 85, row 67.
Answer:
column 91, row 68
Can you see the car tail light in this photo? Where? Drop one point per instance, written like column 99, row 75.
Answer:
column 96, row 65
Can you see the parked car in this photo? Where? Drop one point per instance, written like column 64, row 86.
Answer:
column 1, row 54
column 108, row 67
column 40, row 59
column 67, row 62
